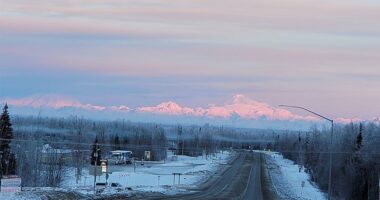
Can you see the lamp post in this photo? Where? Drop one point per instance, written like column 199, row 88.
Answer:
column 1, row 166
column 331, row 139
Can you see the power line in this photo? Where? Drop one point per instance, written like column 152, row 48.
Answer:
column 153, row 146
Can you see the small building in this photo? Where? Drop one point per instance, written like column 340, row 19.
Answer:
column 53, row 155
column 50, row 154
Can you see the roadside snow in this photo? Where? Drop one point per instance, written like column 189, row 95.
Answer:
column 154, row 176
column 149, row 177
column 19, row 196
column 287, row 179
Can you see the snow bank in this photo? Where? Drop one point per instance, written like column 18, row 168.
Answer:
column 19, row 196
column 287, row 179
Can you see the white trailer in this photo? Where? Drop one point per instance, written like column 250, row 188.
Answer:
column 120, row 157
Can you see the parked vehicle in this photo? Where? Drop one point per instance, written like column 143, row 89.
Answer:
column 120, row 157
column 100, row 186
column 118, row 185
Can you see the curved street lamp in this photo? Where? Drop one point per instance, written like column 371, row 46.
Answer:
column 331, row 139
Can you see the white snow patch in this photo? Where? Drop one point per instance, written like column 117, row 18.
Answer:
column 287, row 179
column 153, row 176
column 19, row 196
column 150, row 177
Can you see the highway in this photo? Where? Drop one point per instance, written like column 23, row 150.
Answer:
column 240, row 180
column 254, row 185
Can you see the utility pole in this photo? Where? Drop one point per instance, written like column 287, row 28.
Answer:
column 1, row 166
column 299, row 151
column 330, row 167
column 183, row 144
column 96, row 162
column 85, row 180
column 134, row 165
column 180, row 139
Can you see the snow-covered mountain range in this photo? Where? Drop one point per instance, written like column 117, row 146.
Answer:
column 239, row 111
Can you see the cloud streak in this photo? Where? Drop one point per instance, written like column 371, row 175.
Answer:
column 302, row 50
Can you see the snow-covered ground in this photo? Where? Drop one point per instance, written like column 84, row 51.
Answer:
column 150, row 177
column 18, row 196
column 287, row 179
column 157, row 176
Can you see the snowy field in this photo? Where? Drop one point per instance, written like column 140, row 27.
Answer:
column 287, row 179
column 149, row 177
column 158, row 176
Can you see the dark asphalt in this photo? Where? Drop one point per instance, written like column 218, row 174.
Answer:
column 241, row 180
column 254, row 185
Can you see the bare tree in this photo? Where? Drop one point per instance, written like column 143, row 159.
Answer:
column 78, row 149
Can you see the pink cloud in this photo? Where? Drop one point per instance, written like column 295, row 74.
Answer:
column 298, row 14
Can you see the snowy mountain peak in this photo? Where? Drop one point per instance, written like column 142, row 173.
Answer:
column 170, row 106
column 51, row 101
column 239, row 108
column 121, row 108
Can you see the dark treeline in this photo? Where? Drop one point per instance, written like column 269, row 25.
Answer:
column 207, row 140
column 356, row 157
column 46, row 147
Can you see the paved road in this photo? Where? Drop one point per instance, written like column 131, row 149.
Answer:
column 241, row 180
column 254, row 185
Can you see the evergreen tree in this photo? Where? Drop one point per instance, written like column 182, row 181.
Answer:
column 8, row 160
column 360, row 170
column 96, row 153
column 359, row 138
column 180, row 144
column 116, row 143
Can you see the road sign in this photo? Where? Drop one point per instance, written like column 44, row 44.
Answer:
column 103, row 164
column 147, row 155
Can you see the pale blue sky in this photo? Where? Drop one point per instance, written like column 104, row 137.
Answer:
column 321, row 54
